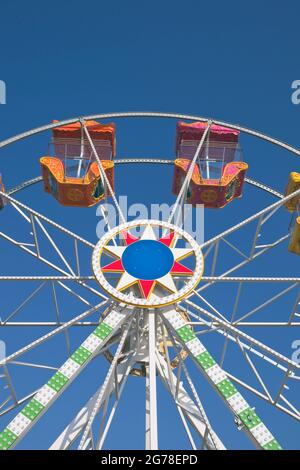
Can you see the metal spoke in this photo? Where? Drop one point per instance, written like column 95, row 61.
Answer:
column 102, row 173
column 285, row 365
column 23, row 304
column 182, row 193
column 265, row 304
column 236, row 332
column 47, row 336
column 185, row 404
column 46, row 219
column 273, row 206
column 48, row 263
column 106, row 384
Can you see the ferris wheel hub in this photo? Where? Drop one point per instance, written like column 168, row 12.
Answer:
column 147, row 263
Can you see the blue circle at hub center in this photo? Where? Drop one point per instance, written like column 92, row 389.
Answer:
column 147, row 259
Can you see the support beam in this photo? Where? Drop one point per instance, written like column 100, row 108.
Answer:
column 47, row 336
column 225, row 325
column 57, row 384
column 186, row 404
column 151, row 398
column 104, row 393
column 243, row 413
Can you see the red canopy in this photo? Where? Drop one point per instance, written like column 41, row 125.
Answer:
column 96, row 130
column 195, row 130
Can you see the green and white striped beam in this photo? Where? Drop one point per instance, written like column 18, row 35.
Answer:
column 251, row 423
column 46, row 396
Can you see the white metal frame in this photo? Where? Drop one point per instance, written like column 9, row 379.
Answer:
column 144, row 329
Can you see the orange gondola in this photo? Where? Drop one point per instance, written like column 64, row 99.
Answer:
column 72, row 175
column 219, row 174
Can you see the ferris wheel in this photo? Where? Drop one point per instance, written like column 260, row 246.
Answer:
column 147, row 299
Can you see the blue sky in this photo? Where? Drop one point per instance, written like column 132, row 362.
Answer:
column 224, row 60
